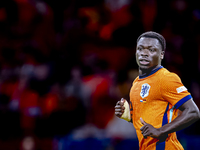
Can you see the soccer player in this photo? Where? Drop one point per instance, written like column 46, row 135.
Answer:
column 160, row 104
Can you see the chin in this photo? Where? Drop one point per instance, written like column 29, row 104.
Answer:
column 144, row 67
column 147, row 68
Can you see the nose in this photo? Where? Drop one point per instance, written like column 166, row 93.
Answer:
column 144, row 52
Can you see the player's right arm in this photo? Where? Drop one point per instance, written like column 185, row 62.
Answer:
column 119, row 108
column 122, row 110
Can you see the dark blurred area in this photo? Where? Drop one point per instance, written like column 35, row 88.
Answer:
column 65, row 64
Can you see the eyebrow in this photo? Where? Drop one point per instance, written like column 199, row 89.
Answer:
column 147, row 46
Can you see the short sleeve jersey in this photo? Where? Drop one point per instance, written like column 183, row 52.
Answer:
column 156, row 98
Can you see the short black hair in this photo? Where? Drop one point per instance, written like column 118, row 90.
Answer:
column 151, row 34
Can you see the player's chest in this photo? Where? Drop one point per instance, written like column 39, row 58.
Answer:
column 145, row 92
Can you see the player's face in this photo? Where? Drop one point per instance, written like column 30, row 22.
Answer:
column 148, row 53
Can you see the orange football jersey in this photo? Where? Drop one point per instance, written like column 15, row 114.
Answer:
column 156, row 98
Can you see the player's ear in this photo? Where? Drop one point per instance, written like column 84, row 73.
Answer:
column 162, row 54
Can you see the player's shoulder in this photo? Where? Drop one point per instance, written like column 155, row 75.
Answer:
column 166, row 75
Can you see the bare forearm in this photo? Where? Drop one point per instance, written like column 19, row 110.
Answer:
column 184, row 120
column 190, row 114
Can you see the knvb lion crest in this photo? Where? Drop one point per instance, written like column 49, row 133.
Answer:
column 145, row 90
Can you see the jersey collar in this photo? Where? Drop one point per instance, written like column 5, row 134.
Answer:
column 152, row 72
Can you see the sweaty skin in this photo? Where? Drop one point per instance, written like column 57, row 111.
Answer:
column 148, row 55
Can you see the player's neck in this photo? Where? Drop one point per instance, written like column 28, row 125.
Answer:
column 145, row 72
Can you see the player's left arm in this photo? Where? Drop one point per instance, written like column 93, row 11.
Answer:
column 190, row 114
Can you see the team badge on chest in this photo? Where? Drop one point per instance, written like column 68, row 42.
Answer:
column 145, row 90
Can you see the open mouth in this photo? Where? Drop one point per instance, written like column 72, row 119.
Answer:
column 144, row 62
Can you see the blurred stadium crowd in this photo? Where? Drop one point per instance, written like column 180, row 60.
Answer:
column 65, row 64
